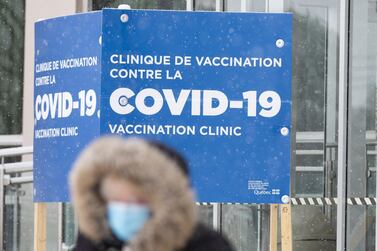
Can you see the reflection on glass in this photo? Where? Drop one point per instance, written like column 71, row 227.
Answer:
column 26, row 214
column 256, row 5
column 11, row 65
column 205, row 5
column 314, row 91
column 11, row 220
column 250, row 5
column 69, row 226
column 240, row 225
column 312, row 230
column 206, row 214
column 52, row 226
column 141, row 4
column 233, row 5
column 362, row 155
column 18, row 217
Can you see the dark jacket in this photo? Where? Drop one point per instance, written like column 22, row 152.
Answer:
column 174, row 221
column 203, row 239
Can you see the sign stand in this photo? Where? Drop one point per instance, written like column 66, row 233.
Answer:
column 40, row 220
column 274, row 227
column 286, row 227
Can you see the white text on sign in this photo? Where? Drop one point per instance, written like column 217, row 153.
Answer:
column 61, row 104
column 203, row 102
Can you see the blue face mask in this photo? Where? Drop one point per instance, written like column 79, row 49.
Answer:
column 126, row 220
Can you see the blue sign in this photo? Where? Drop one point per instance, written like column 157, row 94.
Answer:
column 215, row 86
column 66, row 98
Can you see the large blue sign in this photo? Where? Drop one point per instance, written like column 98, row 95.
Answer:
column 66, row 93
column 215, row 86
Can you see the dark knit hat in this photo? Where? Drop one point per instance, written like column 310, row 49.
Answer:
column 172, row 154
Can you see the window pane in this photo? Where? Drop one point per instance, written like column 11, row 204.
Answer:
column 18, row 216
column 141, row 4
column 233, row 5
column 240, row 225
column 69, row 226
column 314, row 87
column 251, row 5
column 206, row 214
column 52, row 226
column 205, row 5
column 362, row 124
column 256, row 5
column 26, row 214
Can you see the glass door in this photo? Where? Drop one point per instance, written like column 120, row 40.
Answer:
column 315, row 120
column 314, row 89
column 362, row 125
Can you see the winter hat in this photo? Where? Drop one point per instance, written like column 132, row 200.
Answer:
column 161, row 174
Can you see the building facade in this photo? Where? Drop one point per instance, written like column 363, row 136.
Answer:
column 334, row 135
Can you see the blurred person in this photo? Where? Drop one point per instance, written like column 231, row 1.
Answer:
column 133, row 194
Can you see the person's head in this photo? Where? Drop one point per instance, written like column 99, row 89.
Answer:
column 117, row 183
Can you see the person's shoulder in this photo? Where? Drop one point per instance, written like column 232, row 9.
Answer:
column 205, row 238
column 84, row 244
